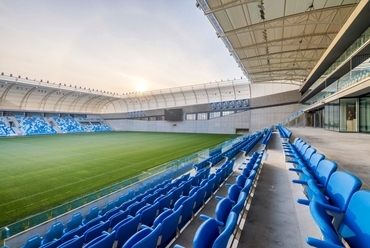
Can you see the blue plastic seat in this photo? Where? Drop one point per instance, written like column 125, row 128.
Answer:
column 187, row 186
column 176, row 193
column 164, row 202
column 111, row 212
column 125, row 229
column 104, row 240
column 93, row 213
column 222, row 212
column 148, row 214
column 232, row 193
column 187, row 203
column 169, row 220
column 116, row 218
column 208, row 234
column 133, row 208
column 33, row 242
column 75, row 232
column 74, row 222
column 145, row 238
column 55, row 232
column 52, row 244
column 76, row 242
column 338, row 192
column 200, row 198
column 95, row 231
column 150, row 197
column 354, row 228
column 107, row 207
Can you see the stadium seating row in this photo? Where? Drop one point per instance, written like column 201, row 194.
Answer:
column 336, row 202
column 285, row 133
column 36, row 125
column 4, row 129
column 224, row 228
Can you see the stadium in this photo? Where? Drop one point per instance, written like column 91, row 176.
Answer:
column 275, row 157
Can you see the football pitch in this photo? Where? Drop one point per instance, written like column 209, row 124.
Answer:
column 42, row 172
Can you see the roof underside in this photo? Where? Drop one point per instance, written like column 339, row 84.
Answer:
column 277, row 40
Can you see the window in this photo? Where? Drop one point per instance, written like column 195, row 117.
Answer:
column 214, row 115
column 191, row 117
column 202, row 116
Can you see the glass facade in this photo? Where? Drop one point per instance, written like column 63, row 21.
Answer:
column 348, row 115
column 364, row 114
column 331, row 116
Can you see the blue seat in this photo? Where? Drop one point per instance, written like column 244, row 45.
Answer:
column 75, row 232
column 354, row 228
column 169, row 220
column 238, row 207
column 117, row 217
column 187, row 203
column 126, row 204
column 111, row 212
column 222, row 211
column 55, row 232
column 150, row 197
column 187, row 186
column 324, row 170
column 200, row 198
column 76, row 242
column 338, row 192
column 176, row 193
column 33, row 242
column 92, row 214
column 125, row 229
column 52, row 244
column 121, row 199
column 145, row 238
column 210, row 186
column 95, row 231
column 107, row 207
column 74, row 222
column 310, row 166
column 208, row 234
column 164, row 202
column 148, row 214
column 232, row 193
column 133, row 208
column 94, row 222
column 104, row 240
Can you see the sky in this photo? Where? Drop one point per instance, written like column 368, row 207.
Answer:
column 117, row 46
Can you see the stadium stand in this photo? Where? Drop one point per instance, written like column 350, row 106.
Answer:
column 34, row 125
column 4, row 129
column 69, row 125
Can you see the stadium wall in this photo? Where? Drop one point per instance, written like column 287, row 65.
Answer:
column 253, row 119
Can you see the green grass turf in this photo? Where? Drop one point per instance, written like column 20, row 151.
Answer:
column 41, row 172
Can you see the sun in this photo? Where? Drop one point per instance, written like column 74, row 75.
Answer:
column 140, row 87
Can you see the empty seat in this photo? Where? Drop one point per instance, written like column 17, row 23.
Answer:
column 95, row 231
column 169, row 220
column 208, row 234
column 145, row 238
column 55, row 232
column 32, row 242
column 74, row 222
column 354, row 228
column 104, row 240
column 125, row 229
column 148, row 214
column 92, row 214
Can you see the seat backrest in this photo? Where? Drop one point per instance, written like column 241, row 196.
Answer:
column 355, row 227
column 308, row 153
column 148, row 214
column 233, row 193
column 224, row 236
column 206, row 234
column 32, row 242
column 187, row 210
column 71, row 234
column 95, row 231
column 324, row 170
column 199, row 200
column 133, row 208
column 315, row 160
column 324, row 222
column 76, row 242
column 169, row 227
column 55, row 232
column 240, row 181
column 240, row 203
column 340, row 188
column 74, row 222
column 176, row 193
column 104, row 240
column 223, row 209
column 144, row 238
column 92, row 214
column 125, row 229
column 187, row 186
